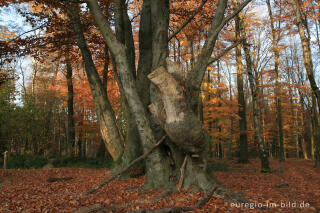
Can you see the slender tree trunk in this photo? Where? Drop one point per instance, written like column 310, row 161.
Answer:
column 34, row 79
column 316, row 135
column 220, row 150
column 275, row 41
column 71, row 127
column 262, row 151
column 243, row 143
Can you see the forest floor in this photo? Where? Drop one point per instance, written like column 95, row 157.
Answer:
column 294, row 186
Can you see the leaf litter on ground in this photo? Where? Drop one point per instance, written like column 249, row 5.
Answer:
column 28, row 190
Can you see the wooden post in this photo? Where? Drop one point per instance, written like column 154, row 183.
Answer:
column 5, row 160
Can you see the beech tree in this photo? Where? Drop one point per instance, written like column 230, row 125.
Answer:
column 174, row 98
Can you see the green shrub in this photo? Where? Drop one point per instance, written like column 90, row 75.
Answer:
column 83, row 163
column 25, row 162
column 31, row 161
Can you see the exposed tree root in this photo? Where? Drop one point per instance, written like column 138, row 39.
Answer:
column 115, row 175
column 217, row 189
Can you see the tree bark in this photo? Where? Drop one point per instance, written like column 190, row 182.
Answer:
column 71, row 127
column 124, row 35
column 181, row 124
column 243, row 143
column 105, row 114
column 132, row 147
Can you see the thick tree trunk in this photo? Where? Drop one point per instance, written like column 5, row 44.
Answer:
column 256, row 121
column 307, row 57
column 172, row 108
column 243, row 143
column 132, row 148
column 105, row 114
column 123, row 29
column 71, row 128
column 157, row 172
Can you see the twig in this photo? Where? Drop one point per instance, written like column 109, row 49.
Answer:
column 187, row 21
column 182, row 173
column 112, row 177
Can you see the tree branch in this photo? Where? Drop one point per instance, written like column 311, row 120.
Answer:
column 115, row 175
column 187, row 21
column 232, row 15
column 224, row 52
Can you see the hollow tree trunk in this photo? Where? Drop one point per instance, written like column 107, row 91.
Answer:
column 105, row 114
column 256, row 121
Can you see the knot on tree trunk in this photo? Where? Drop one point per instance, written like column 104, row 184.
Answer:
column 173, row 112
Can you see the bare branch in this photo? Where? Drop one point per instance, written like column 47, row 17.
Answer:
column 232, row 15
column 224, row 52
column 187, row 21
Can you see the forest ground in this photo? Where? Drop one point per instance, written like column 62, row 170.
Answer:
column 294, row 181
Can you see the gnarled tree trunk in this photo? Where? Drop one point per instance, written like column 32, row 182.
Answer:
column 181, row 124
